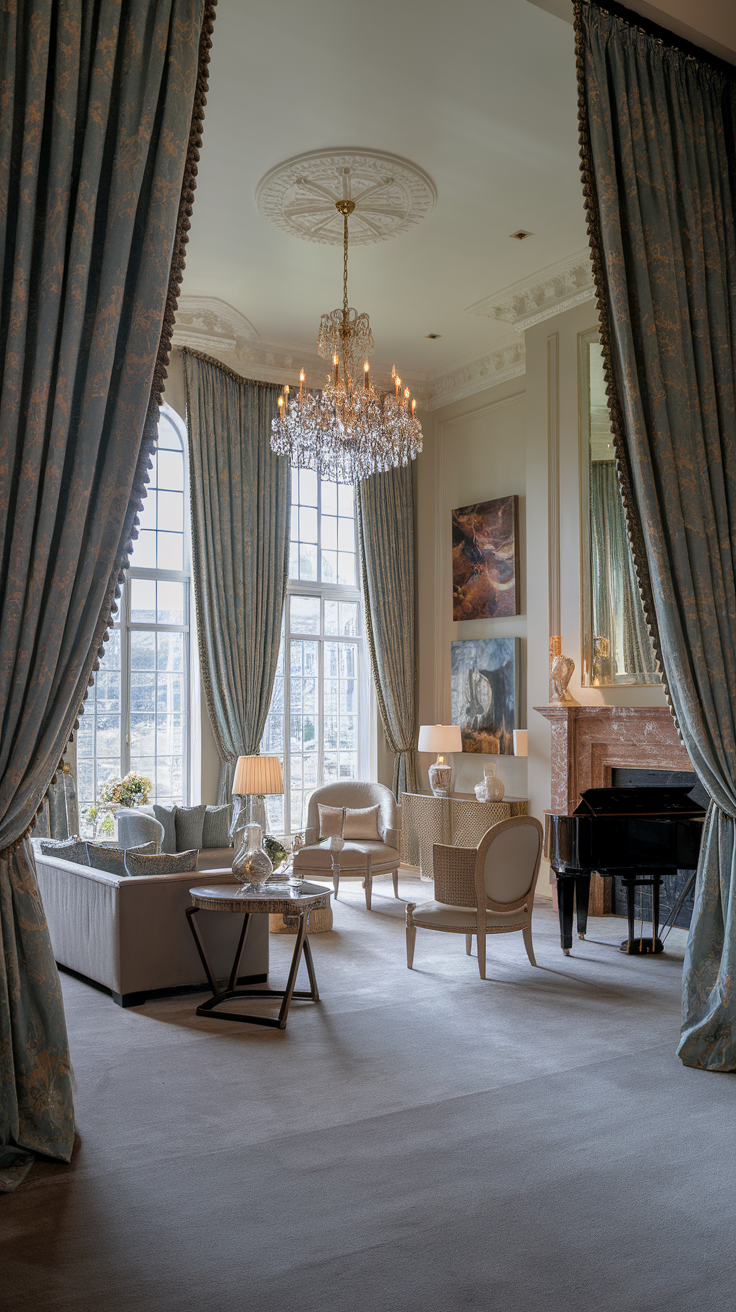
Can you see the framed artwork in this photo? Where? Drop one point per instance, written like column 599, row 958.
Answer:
column 485, row 569
column 485, row 674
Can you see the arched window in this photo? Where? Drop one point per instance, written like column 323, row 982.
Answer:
column 136, row 716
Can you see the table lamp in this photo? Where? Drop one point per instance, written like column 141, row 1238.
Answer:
column 442, row 739
column 256, row 777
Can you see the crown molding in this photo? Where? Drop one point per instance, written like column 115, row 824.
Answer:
column 504, row 360
column 210, row 325
column 559, row 287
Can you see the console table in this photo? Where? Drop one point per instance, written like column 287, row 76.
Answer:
column 458, row 821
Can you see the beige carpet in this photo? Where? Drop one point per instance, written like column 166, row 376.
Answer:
column 418, row 1142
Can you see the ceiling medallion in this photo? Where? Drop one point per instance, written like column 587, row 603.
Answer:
column 348, row 430
column 390, row 195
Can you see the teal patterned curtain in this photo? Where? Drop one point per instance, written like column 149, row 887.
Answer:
column 98, row 144
column 615, row 590
column 385, row 505
column 658, row 133
column 240, row 544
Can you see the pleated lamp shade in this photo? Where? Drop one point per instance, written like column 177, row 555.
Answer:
column 258, row 775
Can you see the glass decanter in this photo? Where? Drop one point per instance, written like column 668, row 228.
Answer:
column 251, row 865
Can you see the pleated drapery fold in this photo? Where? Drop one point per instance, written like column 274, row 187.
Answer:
column 385, row 506
column 240, row 551
column 101, row 121
column 658, row 133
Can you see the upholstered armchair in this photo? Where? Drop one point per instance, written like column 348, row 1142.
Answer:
column 488, row 889
column 358, row 858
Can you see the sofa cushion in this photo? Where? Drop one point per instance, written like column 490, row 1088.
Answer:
column 189, row 827
column 104, row 856
column 163, row 863
column 352, row 857
column 215, row 858
column 331, row 821
column 216, row 828
column 69, row 849
column 166, row 815
column 362, row 823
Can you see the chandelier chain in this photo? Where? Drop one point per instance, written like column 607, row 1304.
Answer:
column 345, row 274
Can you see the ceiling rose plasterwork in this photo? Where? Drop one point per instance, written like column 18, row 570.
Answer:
column 559, row 287
column 391, row 195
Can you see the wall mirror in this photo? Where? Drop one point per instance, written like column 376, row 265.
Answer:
column 617, row 649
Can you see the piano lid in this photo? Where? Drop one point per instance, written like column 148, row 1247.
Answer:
column 674, row 800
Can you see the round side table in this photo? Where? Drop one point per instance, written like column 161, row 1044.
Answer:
column 274, row 900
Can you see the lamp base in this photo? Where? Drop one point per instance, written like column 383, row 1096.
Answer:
column 440, row 778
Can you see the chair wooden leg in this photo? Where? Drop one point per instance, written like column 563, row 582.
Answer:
column 368, row 885
column 482, row 955
column 527, row 931
column 335, row 875
column 396, row 883
column 468, row 943
column 411, row 934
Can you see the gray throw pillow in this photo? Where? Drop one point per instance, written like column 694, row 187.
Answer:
column 163, row 863
column 166, row 815
column 112, row 859
column 189, row 826
column 216, row 829
column 69, row 849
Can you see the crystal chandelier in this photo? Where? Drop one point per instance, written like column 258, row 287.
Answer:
column 348, row 430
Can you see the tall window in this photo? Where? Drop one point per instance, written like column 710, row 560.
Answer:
column 136, row 716
column 317, row 724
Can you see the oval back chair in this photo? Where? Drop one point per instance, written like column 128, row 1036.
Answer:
column 488, row 889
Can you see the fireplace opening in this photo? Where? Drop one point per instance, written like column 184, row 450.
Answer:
column 670, row 888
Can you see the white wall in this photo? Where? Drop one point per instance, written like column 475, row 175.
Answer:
column 521, row 437
column 474, row 450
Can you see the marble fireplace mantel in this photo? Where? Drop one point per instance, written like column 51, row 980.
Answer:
column 590, row 742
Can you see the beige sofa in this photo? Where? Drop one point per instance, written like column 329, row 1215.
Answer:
column 131, row 935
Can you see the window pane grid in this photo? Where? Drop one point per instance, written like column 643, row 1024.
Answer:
column 136, row 715
column 313, row 725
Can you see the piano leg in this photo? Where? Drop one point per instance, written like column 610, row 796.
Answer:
column 631, row 914
column 566, row 903
column 582, row 898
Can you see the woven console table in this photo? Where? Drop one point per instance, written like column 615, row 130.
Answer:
column 459, row 821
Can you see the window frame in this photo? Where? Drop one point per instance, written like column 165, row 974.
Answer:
column 125, row 626
column 325, row 591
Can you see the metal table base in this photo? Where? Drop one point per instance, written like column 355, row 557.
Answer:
column 278, row 1023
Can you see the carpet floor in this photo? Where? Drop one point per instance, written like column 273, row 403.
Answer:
column 418, row 1141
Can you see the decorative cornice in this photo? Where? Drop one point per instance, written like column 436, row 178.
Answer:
column 210, row 325
column 506, row 359
column 559, row 287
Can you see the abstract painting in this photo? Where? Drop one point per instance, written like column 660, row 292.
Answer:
column 484, row 560
column 485, row 693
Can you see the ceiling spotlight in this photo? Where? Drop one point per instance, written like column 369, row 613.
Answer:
column 521, row 234
column 432, row 337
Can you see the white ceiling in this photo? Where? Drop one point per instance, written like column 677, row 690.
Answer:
column 480, row 93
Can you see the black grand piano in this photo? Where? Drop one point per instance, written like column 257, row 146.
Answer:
column 641, row 834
